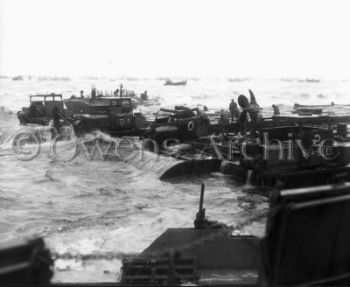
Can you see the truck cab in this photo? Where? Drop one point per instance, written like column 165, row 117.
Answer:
column 40, row 109
column 111, row 114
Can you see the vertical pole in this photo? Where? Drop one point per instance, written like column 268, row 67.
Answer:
column 202, row 197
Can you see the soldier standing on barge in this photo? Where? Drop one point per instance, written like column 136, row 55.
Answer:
column 254, row 113
column 234, row 110
column 250, row 110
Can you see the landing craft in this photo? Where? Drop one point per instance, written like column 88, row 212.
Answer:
column 301, row 164
column 302, row 246
column 115, row 116
column 305, row 244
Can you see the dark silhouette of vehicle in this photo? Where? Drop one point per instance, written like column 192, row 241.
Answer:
column 182, row 123
column 114, row 115
column 40, row 110
column 17, row 78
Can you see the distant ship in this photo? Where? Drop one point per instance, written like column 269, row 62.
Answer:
column 17, row 78
column 238, row 79
column 310, row 80
column 65, row 79
column 178, row 83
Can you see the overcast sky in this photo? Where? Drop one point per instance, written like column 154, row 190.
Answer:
column 181, row 38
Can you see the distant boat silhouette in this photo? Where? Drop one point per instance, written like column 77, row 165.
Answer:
column 310, row 80
column 179, row 83
column 238, row 79
column 17, row 78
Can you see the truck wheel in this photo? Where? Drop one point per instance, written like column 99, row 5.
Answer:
column 191, row 126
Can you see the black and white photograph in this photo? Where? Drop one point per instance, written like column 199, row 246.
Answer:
column 174, row 143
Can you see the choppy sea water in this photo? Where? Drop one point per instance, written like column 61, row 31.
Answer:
column 86, row 205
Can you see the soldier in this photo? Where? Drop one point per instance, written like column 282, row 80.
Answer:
column 249, row 110
column 224, row 120
column 93, row 93
column 144, row 96
column 243, row 118
column 234, row 110
column 253, row 103
column 276, row 110
column 254, row 113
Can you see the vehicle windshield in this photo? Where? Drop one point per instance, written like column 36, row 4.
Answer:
column 49, row 98
column 100, row 103
column 124, row 103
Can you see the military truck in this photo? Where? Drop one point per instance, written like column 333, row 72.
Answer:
column 40, row 109
column 181, row 123
column 114, row 115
